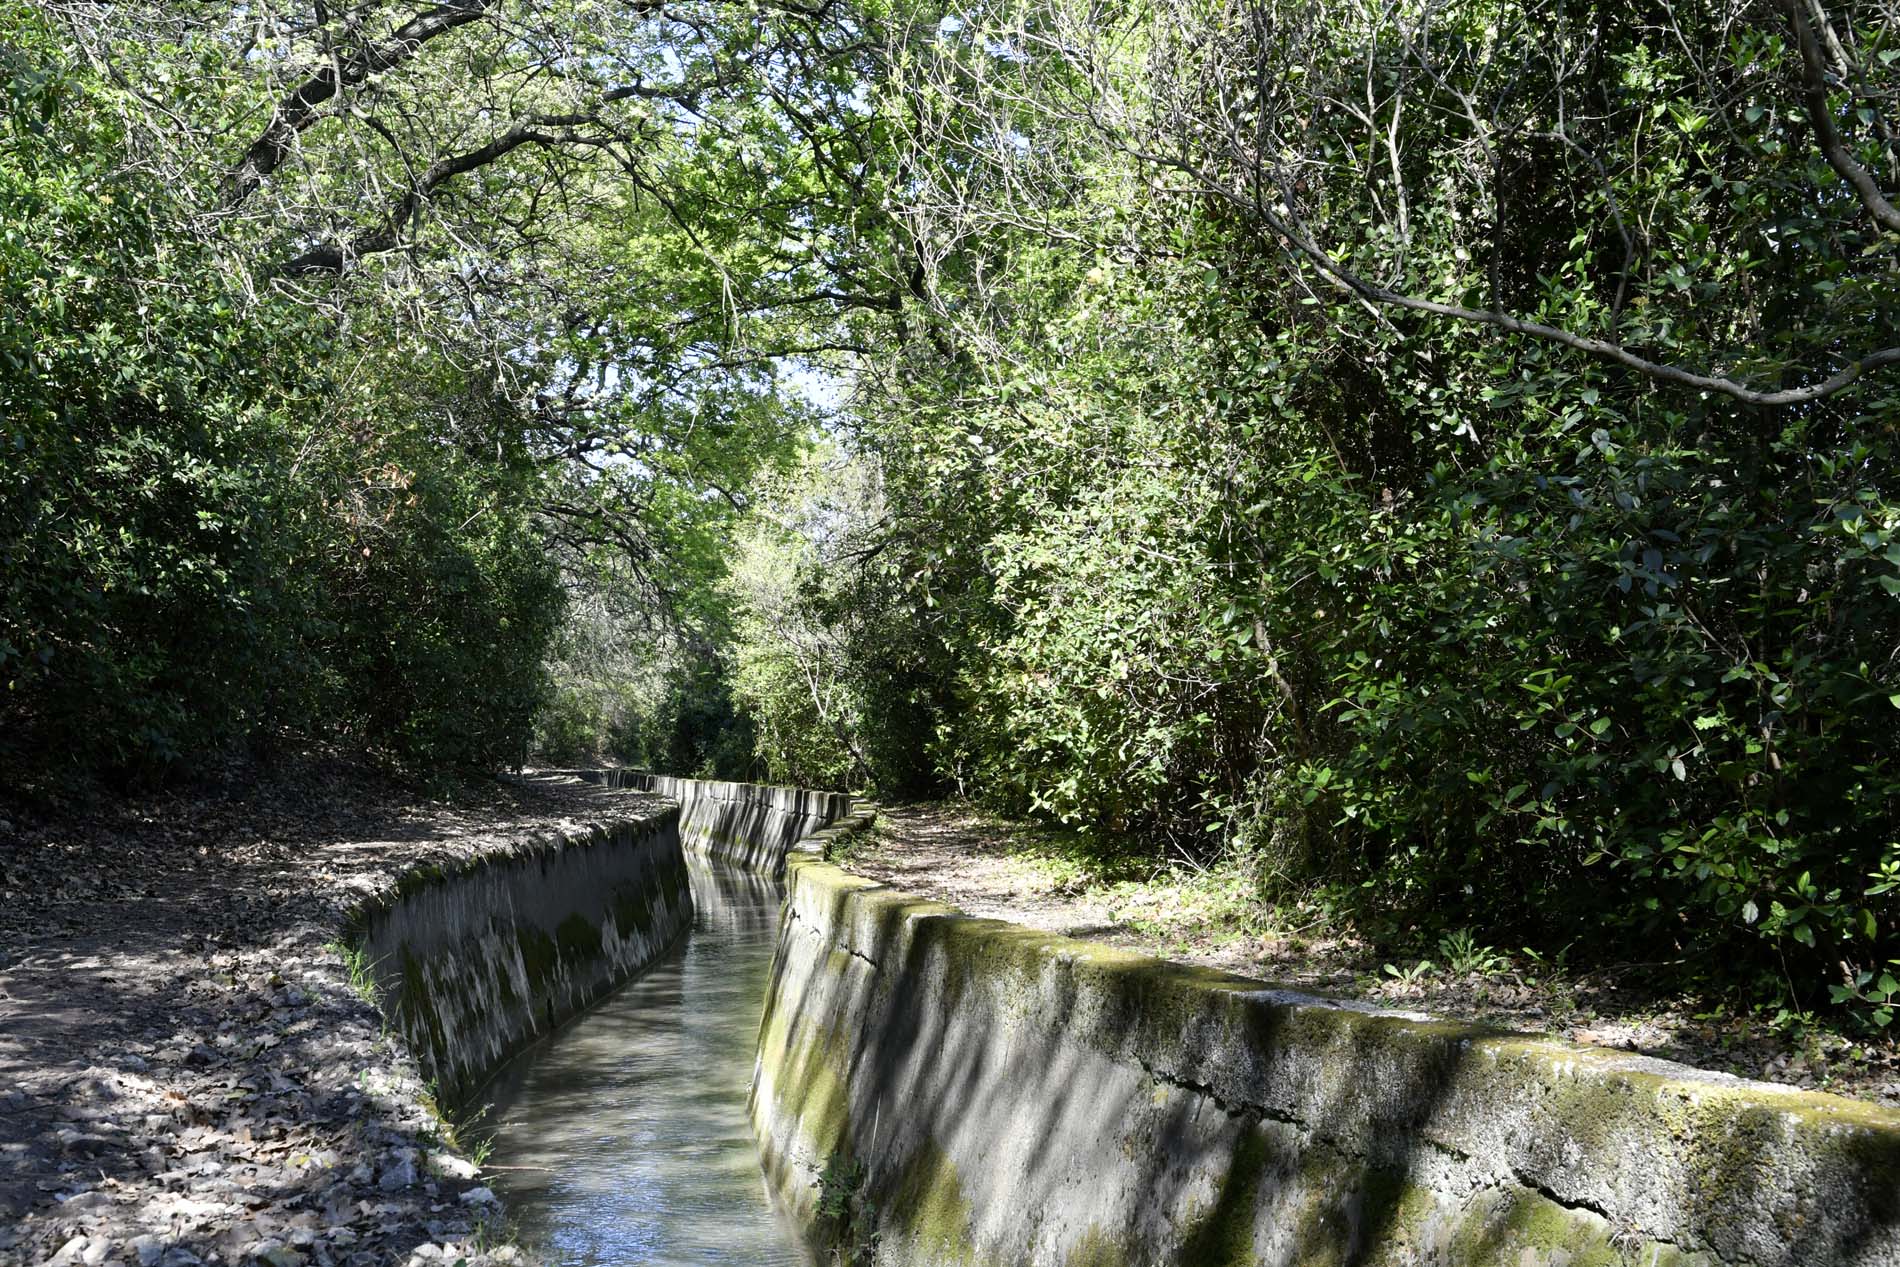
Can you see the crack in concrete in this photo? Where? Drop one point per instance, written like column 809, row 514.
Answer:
column 1549, row 1193
column 1232, row 1108
column 1260, row 1112
column 815, row 932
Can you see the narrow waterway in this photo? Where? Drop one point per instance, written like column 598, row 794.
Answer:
column 623, row 1140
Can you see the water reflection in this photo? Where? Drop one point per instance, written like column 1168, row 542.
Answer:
column 623, row 1139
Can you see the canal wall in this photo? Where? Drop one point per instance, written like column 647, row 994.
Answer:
column 473, row 962
column 987, row 1094
column 750, row 825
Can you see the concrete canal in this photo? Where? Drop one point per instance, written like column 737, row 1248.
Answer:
column 623, row 1138
column 993, row 1096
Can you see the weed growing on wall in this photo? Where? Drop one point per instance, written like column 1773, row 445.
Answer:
column 847, row 1217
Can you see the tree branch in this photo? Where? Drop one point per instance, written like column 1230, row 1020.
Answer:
column 1340, row 275
column 338, row 257
column 298, row 109
column 1820, row 118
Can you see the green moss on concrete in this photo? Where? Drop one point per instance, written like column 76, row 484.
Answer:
column 418, row 878
column 632, row 910
column 1373, row 1093
column 540, row 958
column 1534, row 1222
column 1154, row 998
column 1397, row 1221
column 505, row 992
column 578, row 939
column 809, row 1087
column 416, row 1010
column 929, row 1207
column 1513, row 1226
column 1097, row 1248
column 1379, row 1217
column 1222, row 1234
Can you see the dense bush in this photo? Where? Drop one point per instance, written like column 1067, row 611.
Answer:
column 1230, row 548
column 659, row 707
column 203, row 542
column 441, row 597
column 145, row 506
column 827, row 664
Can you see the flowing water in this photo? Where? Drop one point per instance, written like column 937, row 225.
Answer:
column 623, row 1139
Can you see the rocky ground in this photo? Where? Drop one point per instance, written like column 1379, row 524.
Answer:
column 187, row 1073
column 957, row 854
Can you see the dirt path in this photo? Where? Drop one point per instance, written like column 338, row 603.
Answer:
column 957, row 854
column 186, row 1073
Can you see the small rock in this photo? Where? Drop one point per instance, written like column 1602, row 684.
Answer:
column 398, row 1176
column 479, row 1196
column 81, row 1202
column 450, row 1166
column 148, row 1249
column 80, row 1142
column 69, row 1252
column 275, row 1253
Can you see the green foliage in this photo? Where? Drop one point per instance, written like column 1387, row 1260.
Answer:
column 696, row 729
column 656, row 703
column 1874, row 991
column 1412, row 975
column 1465, row 956
column 443, row 600
column 144, row 499
column 847, row 1214
column 358, row 966
column 828, row 663
column 204, row 542
column 1471, row 628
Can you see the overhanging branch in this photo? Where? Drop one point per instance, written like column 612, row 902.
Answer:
column 338, row 257
column 298, row 109
column 1328, row 266
column 1821, row 119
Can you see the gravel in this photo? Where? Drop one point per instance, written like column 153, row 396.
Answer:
column 186, row 1073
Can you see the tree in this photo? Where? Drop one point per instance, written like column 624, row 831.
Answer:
column 1440, row 452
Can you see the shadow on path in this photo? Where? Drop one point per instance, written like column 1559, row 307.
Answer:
column 182, row 1054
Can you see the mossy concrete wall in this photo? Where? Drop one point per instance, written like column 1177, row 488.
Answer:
column 751, row 825
column 1019, row 1098
column 472, row 964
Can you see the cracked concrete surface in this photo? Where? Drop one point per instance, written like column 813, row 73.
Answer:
column 1018, row 1097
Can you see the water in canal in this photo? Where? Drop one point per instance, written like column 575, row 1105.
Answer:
column 623, row 1139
